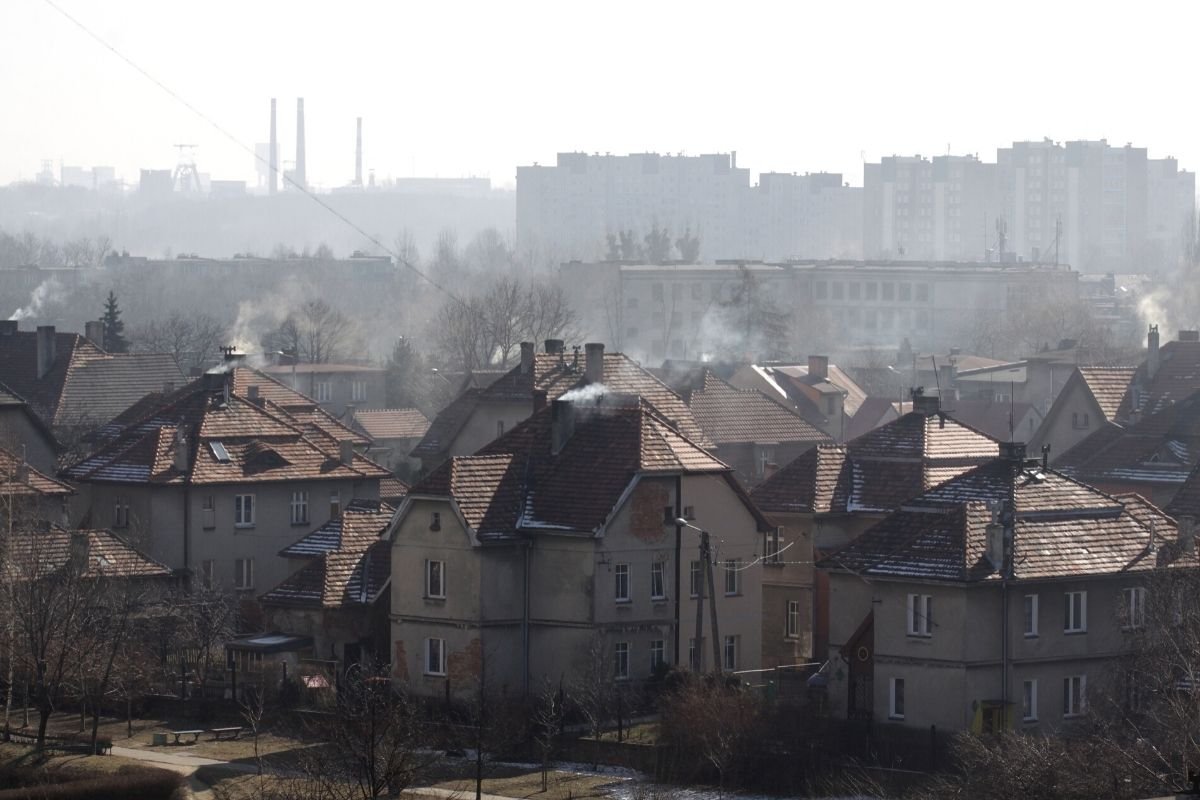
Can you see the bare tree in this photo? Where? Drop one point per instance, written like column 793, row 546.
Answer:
column 547, row 725
column 206, row 617
column 317, row 332
column 714, row 718
column 193, row 339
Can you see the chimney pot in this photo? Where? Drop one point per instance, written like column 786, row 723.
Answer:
column 562, row 424
column 527, row 358
column 1012, row 451
column 594, row 366
column 346, row 451
column 45, row 350
column 818, row 367
column 1152, row 354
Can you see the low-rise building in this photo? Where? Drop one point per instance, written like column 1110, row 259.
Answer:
column 394, row 432
column 822, row 393
column 995, row 600
column 335, row 387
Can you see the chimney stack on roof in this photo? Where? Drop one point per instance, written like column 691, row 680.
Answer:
column 346, row 451
column 562, row 424
column 81, row 547
column 818, row 367
column 926, row 404
column 1013, row 451
column 254, row 395
column 526, row 358
column 948, row 381
column 179, row 456
column 594, row 366
column 539, row 400
column 1152, row 355
column 554, row 346
column 995, row 544
column 46, row 354
column 94, row 331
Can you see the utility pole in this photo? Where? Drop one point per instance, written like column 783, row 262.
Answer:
column 697, row 644
column 712, row 600
column 705, row 577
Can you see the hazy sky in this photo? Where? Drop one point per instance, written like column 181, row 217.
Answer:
column 451, row 89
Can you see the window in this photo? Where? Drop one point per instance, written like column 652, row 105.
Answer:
column 243, row 510
column 621, row 661
column 323, row 391
column 1080, row 421
column 499, row 428
column 896, row 698
column 922, row 292
column 299, row 508
column 1074, row 700
column 774, row 544
column 243, row 573
column 208, row 512
column 435, row 521
column 920, row 610
column 1075, row 612
column 435, row 579
column 766, row 455
column 1029, row 701
column 733, row 576
column 208, row 572
column 658, row 654
column 1133, row 607
column 693, row 654
column 730, row 652
column 872, row 290
column 696, row 579
column 621, row 583
column 358, row 391
column 658, row 580
column 792, row 629
column 335, row 504
column 837, row 290
column 1031, row 616
column 905, row 292
column 435, row 656
column 120, row 512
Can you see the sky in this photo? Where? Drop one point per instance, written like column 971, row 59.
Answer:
column 453, row 89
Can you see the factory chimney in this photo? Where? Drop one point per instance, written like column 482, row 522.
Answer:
column 358, row 156
column 300, row 178
column 274, row 154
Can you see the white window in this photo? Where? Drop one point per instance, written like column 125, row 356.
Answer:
column 696, row 579
column 120, row 512
column 658, row 654
column 435, row 656
column 358, row 391
column 1031, row 615
column 323, row 391
column 243, row 573
column 207, row 572
column 658, row 580
column 733, row 576
column 208, row 509
column 731, row 652
column 299, row 508
column 335, row 504
column 1075, row 612
column 243, row 510
column 1029, row 701
column 1133, row 607
column 793, row 619
column 774, row 544
column 621, row 661
column 435, row 579
column 1074, row 695
column 920, row 615
column 621, row 583
column 896, row 698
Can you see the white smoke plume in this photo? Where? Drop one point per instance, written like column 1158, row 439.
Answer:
column 48, row 291
column 586, row 395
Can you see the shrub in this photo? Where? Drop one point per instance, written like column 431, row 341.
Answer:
column 129, row 783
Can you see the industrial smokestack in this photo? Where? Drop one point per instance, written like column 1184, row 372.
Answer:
column 358, row 156
column 274, row 154
column 300, row 178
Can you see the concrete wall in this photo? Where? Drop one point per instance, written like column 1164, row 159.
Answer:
column 17, row 432
column 483, row 426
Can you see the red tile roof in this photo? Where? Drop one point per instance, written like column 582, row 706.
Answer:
column 41, row 553
column 20, row 479
column 354, row 576
column 1108, row 386
column 392, row 423
column 361, row 522
column 392, row 489
column 732, row 416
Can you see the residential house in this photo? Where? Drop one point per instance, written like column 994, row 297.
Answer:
column 29, row 496
column 336, row 387
column 22, row 431
column 1004, row 420
column 394, row 432
column 831, row 494
column 478, row 416
column 48, row 550
column 337, row 597
column 750, row 432
column 995, row 600
column 822, row 393
column 1088, row 401
column 71, row 383
column 218, row 477
column 555, row 551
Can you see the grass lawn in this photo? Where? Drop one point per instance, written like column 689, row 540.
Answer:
column 18, row 755
column 642, row 733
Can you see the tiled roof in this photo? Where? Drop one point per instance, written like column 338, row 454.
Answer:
column 360, row 521
column 17, row 478
column 1177, row 378
column 794, row 381
column 312, row 417
column 345, row 577
column 1108, row 385
column 392, row 423
column 517, row 483
column 320, row 369
column 556, row 375
column 879, row 470
column 230, row 441
column 84, row 383
column 1062, row 528
column 732, row 416
column 1186, row 502
column 44, row 552
column 392, row 489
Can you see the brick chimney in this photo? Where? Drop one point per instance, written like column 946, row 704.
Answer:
column 594, row 367
column 179, row 457
column 45, row 350
column 346, row 451
column 926, row 404
column 818, row 367
column 1013, row 451
column 562, row 424
column 94, row 331
column 1152, row 354
column 81, row 547
column 527, row 358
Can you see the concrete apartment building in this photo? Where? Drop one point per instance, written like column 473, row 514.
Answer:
column 999, row 599
column 1097, row 207
column 681, row 311
column 554, row 551
column 217, row 480
column 569, row 209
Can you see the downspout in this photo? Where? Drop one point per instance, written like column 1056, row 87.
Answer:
column 187, row 523
column 678, row 556
column 525, row 624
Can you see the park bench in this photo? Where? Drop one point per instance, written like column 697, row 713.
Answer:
column 226, row 733
column 194, row 734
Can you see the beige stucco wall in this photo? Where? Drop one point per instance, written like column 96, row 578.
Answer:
column 482, row 427
column 1058, row 430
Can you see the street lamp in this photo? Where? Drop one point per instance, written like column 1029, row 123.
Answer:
column 706, row 560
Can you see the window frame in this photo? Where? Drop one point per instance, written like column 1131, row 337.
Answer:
column 1029, row 700
column 358, row 391
column 696, row 578
column 322, row 391
column 622, row 583
column 658, row 580
column 729, row 653
column 244, row 510
column 1030, row 612
column 919, row 622
column 121, row 511
column 1133, row 604
column 896, row 707
column 243, row 573
column 434, row 567
column 439, row 669
column 1074, row 699
column 791, row 625
column 299, row 502
column 1071, row 625
column 733, row 577
column 621, row 661
column 658, row 653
